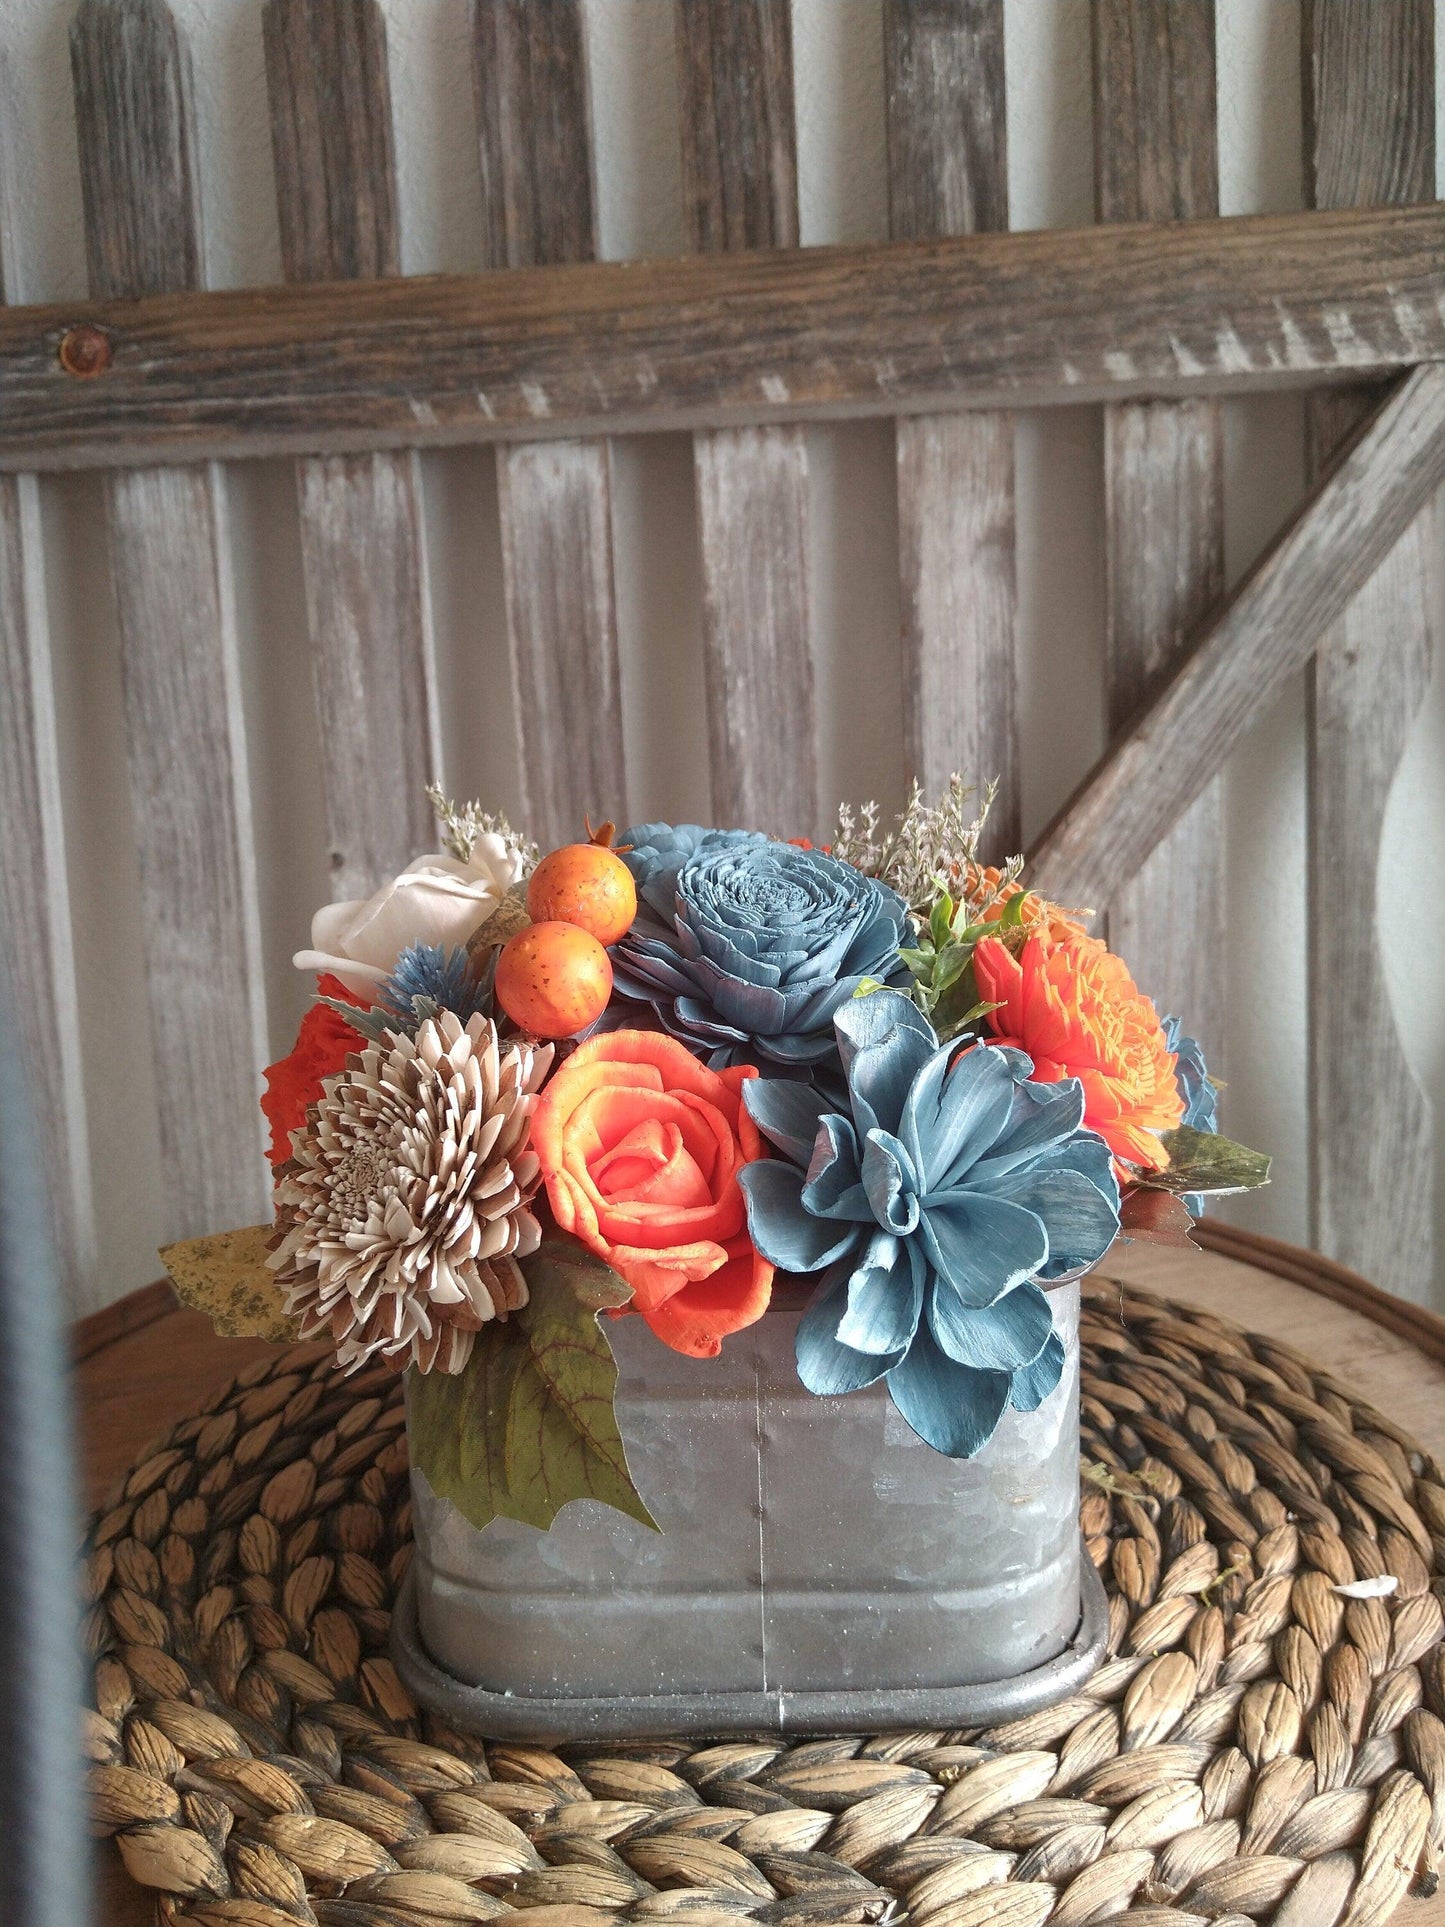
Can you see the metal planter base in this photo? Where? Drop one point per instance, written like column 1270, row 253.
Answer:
column 507, row 1716
column 818, row 1567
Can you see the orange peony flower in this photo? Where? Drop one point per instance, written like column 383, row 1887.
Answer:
column 641, row 1145
column 1037, row 915
column 1073, row 1006
column 323, row 1044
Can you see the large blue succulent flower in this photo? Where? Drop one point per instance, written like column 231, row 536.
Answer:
column 745, row 947
column 932, row 1209
column 1200, row 1095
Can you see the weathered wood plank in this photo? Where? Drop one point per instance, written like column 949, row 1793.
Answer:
column 948, row 174
column 363, row 554
column 179, row 669
column 34, row 895
column 740, row 191
column 1155, row 159
column 1370, row 137
column 603, row 347
column 1264, row 633
column 538, row 209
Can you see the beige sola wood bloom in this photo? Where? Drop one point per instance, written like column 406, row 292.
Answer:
column 404, row 1207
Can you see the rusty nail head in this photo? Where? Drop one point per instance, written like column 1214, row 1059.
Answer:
column 85, row 350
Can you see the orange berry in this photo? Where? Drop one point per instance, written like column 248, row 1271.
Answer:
column 553, row 979
column 583, row 883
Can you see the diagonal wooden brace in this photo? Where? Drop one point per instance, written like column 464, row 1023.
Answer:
column 1262, row 634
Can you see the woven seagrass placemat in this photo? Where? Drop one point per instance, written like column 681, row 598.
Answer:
column 1258, row 1744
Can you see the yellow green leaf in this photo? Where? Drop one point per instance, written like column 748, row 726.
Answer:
column 529, row 1424
column 226, row 1276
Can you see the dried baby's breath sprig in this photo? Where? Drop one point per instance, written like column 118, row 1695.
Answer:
column 462, row 824
column 930, row 845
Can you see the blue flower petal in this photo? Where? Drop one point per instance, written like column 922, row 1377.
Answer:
column 787, row 1112
column 1042, row 1116
column 1081, row 1221
column 834, row 1187
column 891, row 1183
column 1000, row 1337
column 755, row 936
column 885, row 1299
column 786, row 1234
column 982, row 1245
column 885, row 1041
column 826, row 1366
column 955, row 1120
column 951, row 1407
column 1032, row 1385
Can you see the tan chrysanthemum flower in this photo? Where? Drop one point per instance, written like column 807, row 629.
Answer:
column 404, row 1207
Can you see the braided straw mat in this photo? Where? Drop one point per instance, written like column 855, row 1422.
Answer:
column 1258, row 1744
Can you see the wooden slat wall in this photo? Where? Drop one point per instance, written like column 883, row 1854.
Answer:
column 1188, row 670
column 948, row 174
column 740, row 188
column 539, row 208
column 34, row 898
column 362, row 547
column 1156, row 159
column 1370, row 137
column 179, row 666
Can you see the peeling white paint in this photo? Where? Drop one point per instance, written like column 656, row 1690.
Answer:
column 1120, row 365
column 423, row 412
column 484, row 405
column 1413, row 331
column 535, row 396
column 1297, row 350
column 1230, row 352
column 775, row 389
column 1349, row 345
column 1185, row 359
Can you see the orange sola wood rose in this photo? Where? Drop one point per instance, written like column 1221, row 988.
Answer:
column 641, row 1146
column 1074, row 1008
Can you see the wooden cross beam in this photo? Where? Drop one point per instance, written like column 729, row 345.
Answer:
column 1183, row 733
column 718, row 340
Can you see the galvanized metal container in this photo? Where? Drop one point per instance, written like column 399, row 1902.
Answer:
column 818, row 1566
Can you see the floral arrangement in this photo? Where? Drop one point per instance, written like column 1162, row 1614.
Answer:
column 672, row 1073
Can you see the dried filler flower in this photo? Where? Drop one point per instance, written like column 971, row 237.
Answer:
column 404, row 1208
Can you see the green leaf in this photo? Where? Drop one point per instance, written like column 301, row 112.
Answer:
column 226, row 1276
column 940, row 920
column 1155, row 1217
column 1199, row 1161
column 530, row 1425
column 1012, row 915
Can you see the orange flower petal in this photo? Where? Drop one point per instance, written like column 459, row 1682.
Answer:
column 1071, row 1004
column 640, row 1145
column 696, row 1319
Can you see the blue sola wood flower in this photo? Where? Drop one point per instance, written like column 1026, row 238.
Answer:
column 745, row 947
column 931, row 1209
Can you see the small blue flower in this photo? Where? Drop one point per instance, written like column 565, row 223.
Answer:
column 745, row 947
column 430, row 974
column 953, row 1184
column 1199, row 1094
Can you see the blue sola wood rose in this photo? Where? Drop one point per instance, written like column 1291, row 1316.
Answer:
column 745, row 947
column 931, row 1209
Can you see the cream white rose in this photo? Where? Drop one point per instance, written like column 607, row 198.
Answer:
column 436, row 900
